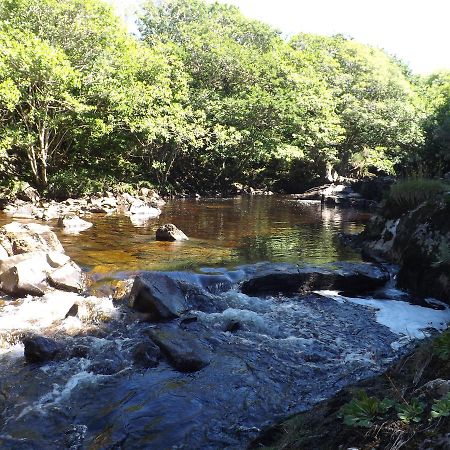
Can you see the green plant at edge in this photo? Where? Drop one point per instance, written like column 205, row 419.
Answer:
column 361, row 412
column 441, row 408
column 410, row 412
column 441, row 346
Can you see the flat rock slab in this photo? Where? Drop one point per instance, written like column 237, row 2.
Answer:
column 184, row 352
column 290, row 279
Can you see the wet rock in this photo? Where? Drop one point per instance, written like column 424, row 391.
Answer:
column 73, row 311
column 146, row 354
column 106, row 367
column 170, row 232
column 67, row 278
column 233, row 325
column 75, row 436
column 19, row 238
column 80, row 351
column 39, row 349
column 419, row 242
column 73, row 223
column 289, row 279
column 184, row 352
column 159, row 295
column 122, row 290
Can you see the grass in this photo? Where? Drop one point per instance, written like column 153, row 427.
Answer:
column 408, row 194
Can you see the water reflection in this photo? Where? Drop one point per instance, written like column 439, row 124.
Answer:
column 222, row 232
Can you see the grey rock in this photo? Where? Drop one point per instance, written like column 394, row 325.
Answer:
column 289, row 279
column 159, row 295
column 170, row 232
column 39, row 349
column 67, row 278
column 146, row 354
column 184, row 352
column 19, row 238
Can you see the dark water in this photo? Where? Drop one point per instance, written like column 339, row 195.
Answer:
column 287, row 353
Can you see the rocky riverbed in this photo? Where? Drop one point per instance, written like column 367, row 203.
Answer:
column 196, row 360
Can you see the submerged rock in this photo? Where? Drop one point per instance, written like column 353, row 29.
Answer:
column 146, row 354
column 170, row 232
column 159, row 295
column 39, row 349
column 289, row 279
column 184, row 352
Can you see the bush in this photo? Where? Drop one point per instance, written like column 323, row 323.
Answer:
column 408, row 194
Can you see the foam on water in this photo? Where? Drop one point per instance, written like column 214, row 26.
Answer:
column 402, row 318
column 49, row 314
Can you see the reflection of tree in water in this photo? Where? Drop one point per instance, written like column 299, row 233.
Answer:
column 313, row 239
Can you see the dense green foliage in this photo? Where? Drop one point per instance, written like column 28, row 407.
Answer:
column 204, row 98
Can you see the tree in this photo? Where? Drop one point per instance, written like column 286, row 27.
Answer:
column 38, row 101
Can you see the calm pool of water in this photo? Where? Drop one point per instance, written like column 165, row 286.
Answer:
column 222, row 232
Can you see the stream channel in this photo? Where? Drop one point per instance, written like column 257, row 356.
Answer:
column 269, row 355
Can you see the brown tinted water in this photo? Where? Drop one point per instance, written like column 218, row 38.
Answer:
column 222, row 232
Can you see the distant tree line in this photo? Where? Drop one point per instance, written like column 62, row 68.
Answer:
column 202, row 99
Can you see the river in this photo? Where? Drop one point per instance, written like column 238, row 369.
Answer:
column 281, row 355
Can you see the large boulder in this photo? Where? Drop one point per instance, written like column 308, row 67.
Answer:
column 170, row 232
column 24, row 274
column 184, row 352
column 158, row 295
column 419, row 242
column 291, row 279
column 32, row 260
column 18, row 238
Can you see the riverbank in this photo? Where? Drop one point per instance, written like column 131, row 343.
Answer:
column 421, row 376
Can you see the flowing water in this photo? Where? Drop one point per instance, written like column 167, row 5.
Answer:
column 287, row 352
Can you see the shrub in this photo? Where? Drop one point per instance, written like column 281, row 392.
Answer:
column 408, row 194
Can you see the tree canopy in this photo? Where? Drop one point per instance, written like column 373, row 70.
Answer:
column 203, row 98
